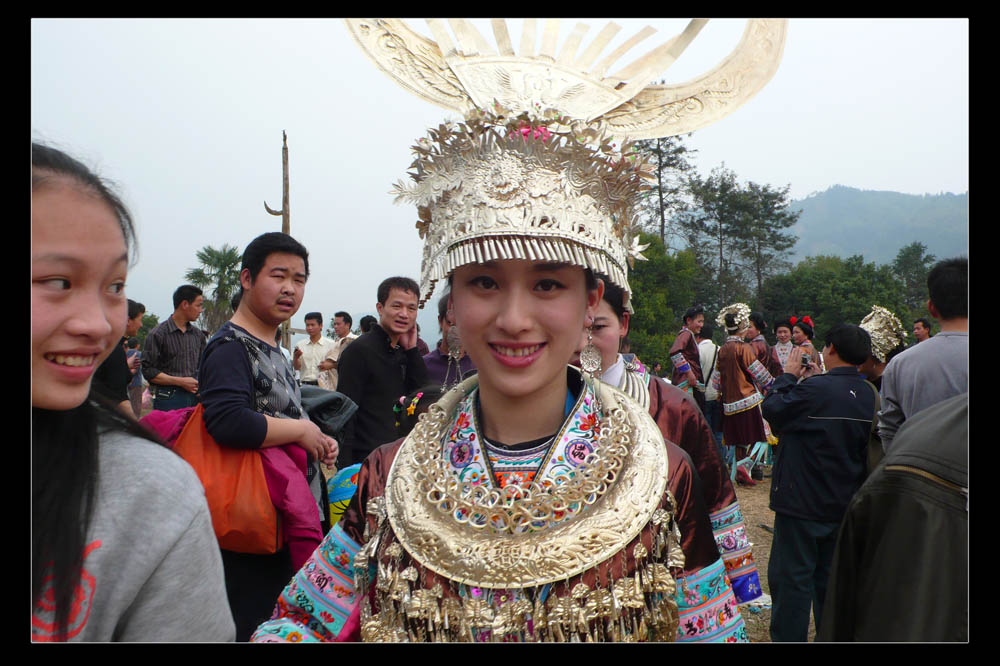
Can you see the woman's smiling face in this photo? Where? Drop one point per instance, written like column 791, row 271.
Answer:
column 520, row 321
column 79, row 262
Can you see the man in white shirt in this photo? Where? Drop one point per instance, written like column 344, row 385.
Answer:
column 310, row 353
column 708, row 351
column 329, row 369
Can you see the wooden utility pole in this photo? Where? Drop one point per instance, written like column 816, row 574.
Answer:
column 285, row 223
column 285, row 227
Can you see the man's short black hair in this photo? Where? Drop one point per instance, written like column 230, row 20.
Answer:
column 135, row 309
column 948, row 286
column 853, row 344
column 693, row 312
column 186, row 292
column 923, row 322
column 256, row 253
column 315, row 316
column 403, row 283
column 367, row 322
column 343, row 315
column 132, row 343
column 706, row 331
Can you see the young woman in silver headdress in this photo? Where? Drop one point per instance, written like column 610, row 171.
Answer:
column 684, row 427
column 741, row 380
column 532, row 501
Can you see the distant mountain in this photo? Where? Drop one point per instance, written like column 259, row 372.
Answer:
column 844, row 221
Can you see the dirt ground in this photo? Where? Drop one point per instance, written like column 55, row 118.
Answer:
column 757, row 516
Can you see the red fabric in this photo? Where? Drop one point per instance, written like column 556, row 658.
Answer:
column 167, row 425
column 285, row 472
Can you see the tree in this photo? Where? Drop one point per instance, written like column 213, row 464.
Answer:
column 762, row 240
column 220, row 273
column 149, row 322
column 911, row 266
column 712, row 228
column 831, row 290
column 668, row 157
column 662, row 290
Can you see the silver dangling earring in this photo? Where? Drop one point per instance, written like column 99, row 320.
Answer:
column 454, row 342
column 590, row 356
column 590, row 363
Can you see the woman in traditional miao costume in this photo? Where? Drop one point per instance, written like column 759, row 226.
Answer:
column 784, row 344
column 802, row 336
column 688, row 437
column 769, row 359
column 741, row 380
column 531, row 503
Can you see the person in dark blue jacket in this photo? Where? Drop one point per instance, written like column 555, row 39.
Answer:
column 823, row 422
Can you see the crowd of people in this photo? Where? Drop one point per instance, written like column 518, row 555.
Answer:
column 528, row 478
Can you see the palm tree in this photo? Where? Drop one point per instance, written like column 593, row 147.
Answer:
column 219, row 275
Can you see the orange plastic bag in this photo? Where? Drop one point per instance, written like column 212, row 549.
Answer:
column 243, row 515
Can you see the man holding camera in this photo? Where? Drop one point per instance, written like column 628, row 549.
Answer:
column 823, row 423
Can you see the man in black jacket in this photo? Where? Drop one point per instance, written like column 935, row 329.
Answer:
column 901, row 568
column 823, row 424
column 379, row 367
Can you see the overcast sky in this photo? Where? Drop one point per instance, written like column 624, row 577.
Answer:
column 185, row 116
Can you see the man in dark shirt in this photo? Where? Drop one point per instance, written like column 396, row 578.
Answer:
column 173, row 351
column 251, row 401
column 379, row 367
column 823, row 423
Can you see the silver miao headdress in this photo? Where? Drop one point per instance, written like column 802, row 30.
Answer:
column 885, row 330
column 541, row 168
column 742, row 313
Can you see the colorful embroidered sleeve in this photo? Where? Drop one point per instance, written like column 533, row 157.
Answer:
column 707, row 608
column 318, row 602
column 760, row 375
column 737, row 552
column 680, row 362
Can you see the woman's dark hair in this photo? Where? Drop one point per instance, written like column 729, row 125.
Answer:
column 428, row 396
column 443, row 304
column 787, row 324
column 757, row 319
column 49, row 166
column 730, row 322
column 895, row 351
column 692, row 312
column 615, row 297
column 805, row 328
column 64, row 443
column 367, row 322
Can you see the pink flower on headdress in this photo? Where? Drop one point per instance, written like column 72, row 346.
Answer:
column 541, row 132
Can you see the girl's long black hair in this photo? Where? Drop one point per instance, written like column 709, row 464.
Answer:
column 64, row 443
